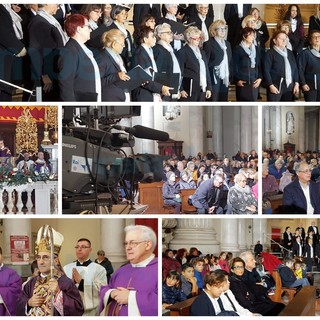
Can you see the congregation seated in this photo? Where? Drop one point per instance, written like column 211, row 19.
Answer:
column 171, row 192
column 186, row 182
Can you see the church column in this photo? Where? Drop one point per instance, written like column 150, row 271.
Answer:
column 217, row 133
column 229, row 235
column 236, row 122
column 277, row 129
column 254, row 127
column 196, row 232
column 300, row 145
column 146, row 119
column 245, row 114
column 242, row 234
column 266, row 128
column 196, row 130
column 112, row 238
column 16, row 227
column 259, row 230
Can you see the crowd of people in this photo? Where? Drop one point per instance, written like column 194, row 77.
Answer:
column 81, row 288
column 175, row 52
column 297, row 176
column 220, row 186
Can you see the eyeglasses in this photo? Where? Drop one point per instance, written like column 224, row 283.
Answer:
column 305, row 171
column 203, row 8
column 243, row 180
column 86, row 25
column 133, row 244
column 195, row 39
column 168, row 32
column 45, row 258
column 238, row 267
column 221, row 28
column 82, row 247
column 97, row 11
column 120, row 43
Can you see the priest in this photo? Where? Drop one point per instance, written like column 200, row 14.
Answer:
column 51, row 293
column 10, row 288
column 133, row 288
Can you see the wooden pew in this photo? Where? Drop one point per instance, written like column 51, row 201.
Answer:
column 151, row 195
column 280, row 289
column 181, row 308
column 276, row 202
column 303, row 304
column 185, row 206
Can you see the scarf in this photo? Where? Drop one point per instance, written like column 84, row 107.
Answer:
column 288, row 44
column 16, row 21
column 224, row 66
column 251, row 52
column 203, row 74
column 89, row 54
column 294, row 23
column 284, row 54
column 204, row 27
column 125, row 32
column 93, row 25
column 315, row 52
column 52, row 20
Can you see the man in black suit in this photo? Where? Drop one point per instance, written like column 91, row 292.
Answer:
column 234, row 14
column 258, row 248
column 314, row 228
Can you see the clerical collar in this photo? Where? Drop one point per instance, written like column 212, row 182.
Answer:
column 83, row 264
column 1, row 266
column 143, row 263
column 43, row 275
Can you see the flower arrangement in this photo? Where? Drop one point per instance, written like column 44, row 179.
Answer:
column 13, row 177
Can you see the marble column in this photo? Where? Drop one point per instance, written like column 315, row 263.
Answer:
column 254, row 127
column 112, row 238
column 278, row 129
column 146, row 119
column 217, row 132
column 245, row 116
column 266, row 127
column 242, row 234
column 229, row 235
column 196, row 232
column 237, row 126
column 300, row 145
column 259, row 229
column 196, row 132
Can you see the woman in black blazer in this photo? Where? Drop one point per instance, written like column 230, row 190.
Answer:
column 247, row 73
column 219, row 55
column 196, row 82
column 151, row 91
column 280, row 70
column 111, row 65
column 79, row 77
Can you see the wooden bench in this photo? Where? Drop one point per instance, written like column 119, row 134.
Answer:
column 303, row 304
column 280, row 289
column 276, row 202
column 181, row 308
column 185, row 206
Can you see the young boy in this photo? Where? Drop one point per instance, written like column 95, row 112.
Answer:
column 198, row 265
column 188, row 281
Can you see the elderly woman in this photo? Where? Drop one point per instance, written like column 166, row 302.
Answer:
column 164, row 56
column 218, row 51
column 280, row 71
column 119, row 14
column 241, row 197
column 245, row 296
column 247, row 73
column 152, row 90
column 309, row 68
column 79, row 76
column 111, row 65
column 186, row 182
column 196, row 82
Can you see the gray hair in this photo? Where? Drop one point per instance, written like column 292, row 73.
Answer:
column 167, row 6
column 298, row 165
column 147, row 233
column 244, row 255
column 159, row 29
column 238, row 177
column 218, row 176
column 191, row 32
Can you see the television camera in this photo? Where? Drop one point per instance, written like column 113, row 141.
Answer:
column 95, row 165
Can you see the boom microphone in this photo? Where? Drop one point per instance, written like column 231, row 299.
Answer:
column 144, row 132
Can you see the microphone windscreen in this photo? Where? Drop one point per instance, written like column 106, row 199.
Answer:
column 148, row 133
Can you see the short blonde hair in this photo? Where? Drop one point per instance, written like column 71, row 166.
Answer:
column 246, row 19
column 111, row 36
column 214, row 25
column 191, row 32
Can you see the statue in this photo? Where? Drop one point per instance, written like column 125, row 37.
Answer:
column 290, row 129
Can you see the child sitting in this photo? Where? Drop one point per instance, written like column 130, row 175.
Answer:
column 223, row 262
column 188, row 281
column 198, row 264
column 300, row 271
column 171, row 289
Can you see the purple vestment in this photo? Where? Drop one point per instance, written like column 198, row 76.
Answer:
column 143, row 280
column 5, row 152
column 72, row 303
column 10, row 289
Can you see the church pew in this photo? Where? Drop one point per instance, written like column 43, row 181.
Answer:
column 303, row 304
column 185, row 206
column 276, row 202
column 181, row 308
column 151, row 195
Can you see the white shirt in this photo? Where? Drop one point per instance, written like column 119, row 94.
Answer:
column 228, row 306
column 306, row 191
column 215, row 303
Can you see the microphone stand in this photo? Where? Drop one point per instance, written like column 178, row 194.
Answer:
column 34, row 93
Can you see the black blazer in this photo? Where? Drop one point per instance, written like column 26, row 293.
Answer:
column 76, row 74
column 274, row 68
column 109, row 77
column 215, row 54
column 202, row 306
column 140, row 10
column 163, row 59
column 144, row 93
column 286, row 240
column 190, row 69
column 295, row 248
column 95, row 37
column 198, row 23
